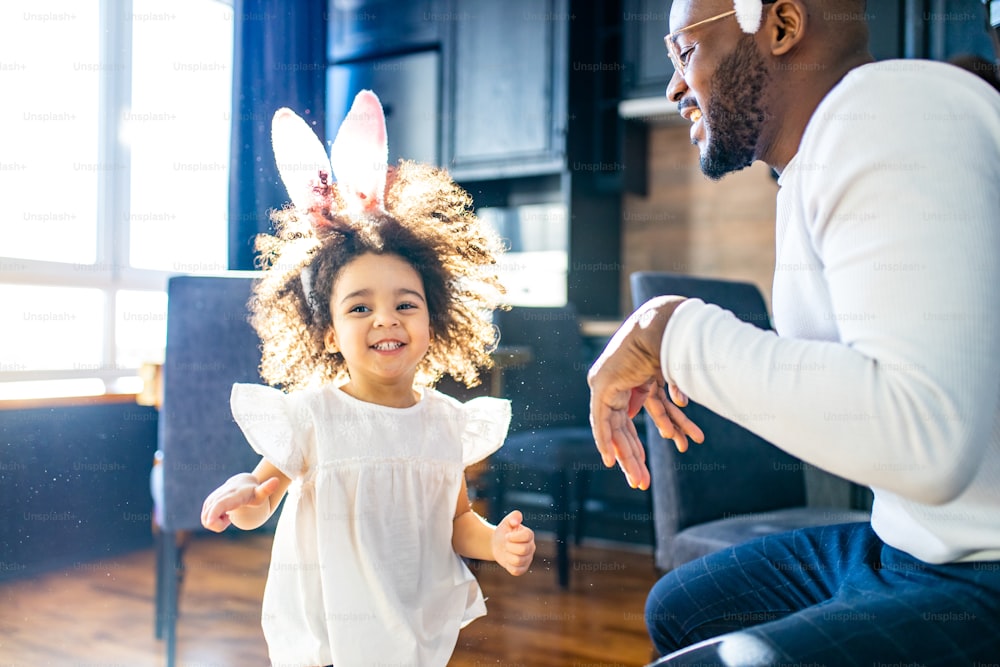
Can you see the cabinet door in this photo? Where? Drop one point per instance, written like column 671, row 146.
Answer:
column 647, row 65
column 359, row 28
column 507, row 88
column 936, row 29
column 885, row 29
column 958, row 27
column 407, row 86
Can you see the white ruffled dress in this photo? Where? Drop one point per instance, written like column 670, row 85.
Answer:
column 362, row 568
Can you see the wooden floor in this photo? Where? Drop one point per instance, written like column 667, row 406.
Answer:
column 101, row 613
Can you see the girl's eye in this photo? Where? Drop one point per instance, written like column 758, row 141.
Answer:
column 359, row 309
column 406, row 306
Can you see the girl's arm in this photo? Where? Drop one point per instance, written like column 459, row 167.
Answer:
column 511, row 544
column 246, row 500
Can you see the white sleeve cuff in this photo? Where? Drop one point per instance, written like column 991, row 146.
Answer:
column 671, row 334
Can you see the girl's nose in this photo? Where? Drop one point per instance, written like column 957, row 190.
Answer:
column 385, row 318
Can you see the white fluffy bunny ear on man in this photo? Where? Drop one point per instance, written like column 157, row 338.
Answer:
column 357, row 159
column 749, row 14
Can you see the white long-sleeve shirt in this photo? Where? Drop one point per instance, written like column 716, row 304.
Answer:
column 886, row 299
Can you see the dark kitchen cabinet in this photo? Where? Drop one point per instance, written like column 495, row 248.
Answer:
column 408, row 85
column 952, row 28
column 934, row 29
column 363, row 28
column 885, row 29
column 520, row 100
column 647, row 66
column 501, row 97
column 505, row 88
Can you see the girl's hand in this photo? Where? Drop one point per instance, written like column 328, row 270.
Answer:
column 241, row 490
column 513, row 544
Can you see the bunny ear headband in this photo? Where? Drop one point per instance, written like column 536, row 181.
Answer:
column 357, row 159
column 748, row 14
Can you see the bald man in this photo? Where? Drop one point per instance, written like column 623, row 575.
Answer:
column 887, row 275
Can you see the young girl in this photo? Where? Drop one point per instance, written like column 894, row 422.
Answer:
column 374, row 288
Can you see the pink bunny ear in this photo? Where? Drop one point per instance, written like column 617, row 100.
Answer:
column 360, row 153
column 300, row 156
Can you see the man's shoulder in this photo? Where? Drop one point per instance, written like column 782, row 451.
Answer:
column 891, row 101
column 907, row 84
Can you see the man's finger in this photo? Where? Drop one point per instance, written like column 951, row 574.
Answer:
column 630, row 455
column 677, row 396
column 638, row 396
column 658, row 410
column 601, row 427
column 684, row 423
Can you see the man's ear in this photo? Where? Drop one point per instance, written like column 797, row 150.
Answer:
column 786, row 26
column 330, row 341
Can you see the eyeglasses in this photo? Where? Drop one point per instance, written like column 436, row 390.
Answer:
column 678, row 59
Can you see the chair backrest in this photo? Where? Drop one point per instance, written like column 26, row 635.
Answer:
column 551, row 389
column 210, row 345
column 734, row 472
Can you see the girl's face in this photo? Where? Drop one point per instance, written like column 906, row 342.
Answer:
column 380, row 324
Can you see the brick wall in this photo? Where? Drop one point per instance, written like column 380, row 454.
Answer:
column 689, row 224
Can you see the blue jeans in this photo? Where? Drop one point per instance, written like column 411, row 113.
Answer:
column 831, row 595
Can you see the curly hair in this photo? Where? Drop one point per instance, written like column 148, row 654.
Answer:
column 429, row 222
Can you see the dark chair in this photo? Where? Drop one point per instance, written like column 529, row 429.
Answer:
column 735, row 486
column 550, row 449
column 210, row 345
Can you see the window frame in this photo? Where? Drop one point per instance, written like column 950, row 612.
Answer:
column 111, row 270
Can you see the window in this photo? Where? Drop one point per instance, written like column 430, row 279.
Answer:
column 114, row 172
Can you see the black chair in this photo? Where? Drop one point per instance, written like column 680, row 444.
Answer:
column 210, row 345
column 736, row 486
column 550, row 451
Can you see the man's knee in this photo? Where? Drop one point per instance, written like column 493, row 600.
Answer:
column 661, row 615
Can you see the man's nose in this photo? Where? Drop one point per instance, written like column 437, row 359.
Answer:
column 676, row 87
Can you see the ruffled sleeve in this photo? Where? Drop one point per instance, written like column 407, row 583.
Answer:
column 486, row 422
column 275, row 424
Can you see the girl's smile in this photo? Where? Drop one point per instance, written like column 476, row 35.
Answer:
column 388, row 346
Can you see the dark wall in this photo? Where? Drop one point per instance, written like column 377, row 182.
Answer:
column 74, row 485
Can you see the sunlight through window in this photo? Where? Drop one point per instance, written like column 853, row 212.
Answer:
column 178, row 131
column 115, row 168
column 49, row 72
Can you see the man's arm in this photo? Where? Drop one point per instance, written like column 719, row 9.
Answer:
column 626, row 377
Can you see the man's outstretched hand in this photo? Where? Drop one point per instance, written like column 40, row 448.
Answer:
column 627, row 377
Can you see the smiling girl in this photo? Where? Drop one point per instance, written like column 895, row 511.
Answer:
column 374, row 287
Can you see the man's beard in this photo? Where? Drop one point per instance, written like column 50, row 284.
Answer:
column 733, row 115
